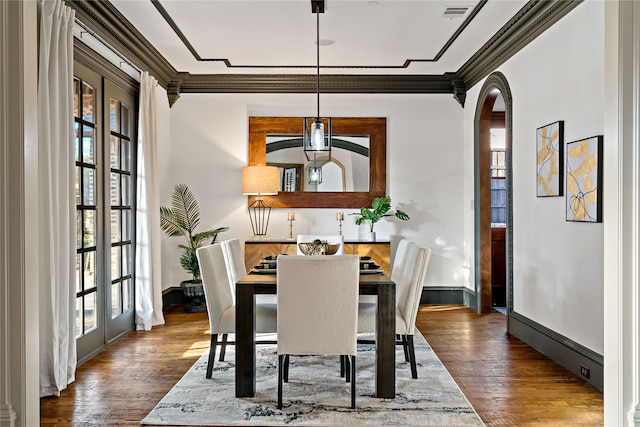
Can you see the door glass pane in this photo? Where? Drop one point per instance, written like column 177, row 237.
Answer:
column 89, row 312
column 78, row 184
column 114, row 115
column 88, row 229
column 78, row 272
column 114, row 185
column 79, row 217
column 125, row 120
column 76, row 98
column 116, row 299
column 115, row 262
column 126, row 225
column 127, row 294
column 126, row 159
column 126, row 188
column 114, row 153
column 76, row 132
column 126, row 260
column 79, row 311
column 89, row 270
column 88, row 145
column 88, row 103
column 89, row 187
column 115, row 226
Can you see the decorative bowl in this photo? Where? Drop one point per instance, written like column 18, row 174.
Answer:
column 322, row 248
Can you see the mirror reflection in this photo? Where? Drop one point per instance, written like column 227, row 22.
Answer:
column 346, row 171
column 295, row 170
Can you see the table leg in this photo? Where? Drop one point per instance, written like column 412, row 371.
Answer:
column 386, row 342
column 245, row 341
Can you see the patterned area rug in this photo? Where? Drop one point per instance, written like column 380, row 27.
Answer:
column 316, row 394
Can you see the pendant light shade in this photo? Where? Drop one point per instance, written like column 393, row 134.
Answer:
column 317, row 137
column 315, row 175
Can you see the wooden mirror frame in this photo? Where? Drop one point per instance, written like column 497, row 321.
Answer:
column 375, row 127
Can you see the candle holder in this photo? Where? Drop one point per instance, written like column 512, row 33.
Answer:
column 340, row 218
column 291, row 217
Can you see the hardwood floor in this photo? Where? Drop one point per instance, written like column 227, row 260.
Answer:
column 507, row 382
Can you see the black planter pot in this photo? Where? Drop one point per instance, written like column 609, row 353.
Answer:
column 195, row 291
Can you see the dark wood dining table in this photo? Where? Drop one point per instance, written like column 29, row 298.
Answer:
column 370, row 284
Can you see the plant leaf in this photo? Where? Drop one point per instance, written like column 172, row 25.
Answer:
column 185, row 207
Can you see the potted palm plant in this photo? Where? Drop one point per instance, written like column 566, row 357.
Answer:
column 380, row 208
column 181, row 220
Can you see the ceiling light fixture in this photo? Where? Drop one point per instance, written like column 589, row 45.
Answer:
column 317, row 130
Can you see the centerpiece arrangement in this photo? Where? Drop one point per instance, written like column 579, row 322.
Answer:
column 319, row 247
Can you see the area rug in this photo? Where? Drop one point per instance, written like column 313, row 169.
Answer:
column 316, row 394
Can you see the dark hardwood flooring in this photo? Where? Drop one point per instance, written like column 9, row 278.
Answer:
column 507, row 382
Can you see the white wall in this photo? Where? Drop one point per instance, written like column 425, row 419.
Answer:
column 558, row 265
column 208, row 147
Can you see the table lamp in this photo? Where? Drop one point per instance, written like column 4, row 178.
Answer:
column 260, row 181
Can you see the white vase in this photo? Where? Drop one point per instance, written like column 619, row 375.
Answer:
column 371, row 236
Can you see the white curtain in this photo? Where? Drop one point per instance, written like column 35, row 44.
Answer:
column 56, row 201
column 148, row 272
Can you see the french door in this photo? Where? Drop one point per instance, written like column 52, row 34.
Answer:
column 105, row 147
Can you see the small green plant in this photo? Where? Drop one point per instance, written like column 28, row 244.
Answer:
column 380, row 207
column 181, row 219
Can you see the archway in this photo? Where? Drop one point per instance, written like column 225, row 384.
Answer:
column 495, row 85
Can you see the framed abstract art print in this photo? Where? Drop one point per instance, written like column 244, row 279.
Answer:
column 584, row 180
column 549, row 162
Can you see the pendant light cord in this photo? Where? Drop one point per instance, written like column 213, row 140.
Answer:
column 318, row 58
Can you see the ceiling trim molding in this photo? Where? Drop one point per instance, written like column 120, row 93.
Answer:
column 114, row 29
column 530, row 21
column 187, row 44
column 303, row 83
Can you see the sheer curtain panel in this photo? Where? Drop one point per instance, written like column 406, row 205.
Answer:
column 148, row 273
column 56, row 204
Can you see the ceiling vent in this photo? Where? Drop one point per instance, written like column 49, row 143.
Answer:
column 455, row 12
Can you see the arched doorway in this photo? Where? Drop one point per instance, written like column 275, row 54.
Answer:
column 494, row 88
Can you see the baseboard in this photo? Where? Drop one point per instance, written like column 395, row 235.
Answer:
column 560, row 349
column 447, row 295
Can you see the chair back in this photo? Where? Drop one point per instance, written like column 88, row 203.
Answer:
column 215, row 280
column 408, row 274
column 318, row 304
column 399, row 258
column 331, row 238
column 234, row 257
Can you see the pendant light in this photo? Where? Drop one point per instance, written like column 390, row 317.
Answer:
column 317, row 130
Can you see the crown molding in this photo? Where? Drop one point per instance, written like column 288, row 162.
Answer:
column 530, row 21
column 302, row 83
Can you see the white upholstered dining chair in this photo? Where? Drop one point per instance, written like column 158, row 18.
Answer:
column 234, row 256
column 330, row 238
column 408, row 273
column 221, row 307
column 317, row 310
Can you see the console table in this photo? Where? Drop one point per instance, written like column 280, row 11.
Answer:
column 257, row 250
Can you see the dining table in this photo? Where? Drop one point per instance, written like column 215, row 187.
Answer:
column 253, row 284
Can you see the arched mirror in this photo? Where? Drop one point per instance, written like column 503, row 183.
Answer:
column 353, row 176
